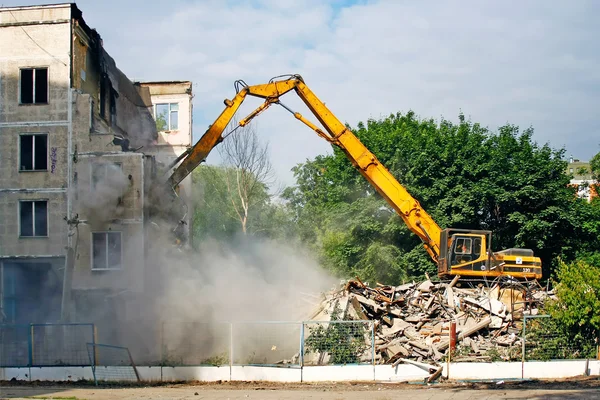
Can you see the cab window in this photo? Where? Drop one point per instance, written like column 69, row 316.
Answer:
column 477, row 247
column 463, row 246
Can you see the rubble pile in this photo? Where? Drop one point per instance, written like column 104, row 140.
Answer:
column 412, row 321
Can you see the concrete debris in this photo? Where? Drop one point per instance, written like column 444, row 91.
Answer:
column 412, row 322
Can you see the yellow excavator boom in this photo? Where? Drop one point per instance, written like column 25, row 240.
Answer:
column 455, row 251
column 409, row 209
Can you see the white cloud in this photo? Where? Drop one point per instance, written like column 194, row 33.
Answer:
column 529, row 63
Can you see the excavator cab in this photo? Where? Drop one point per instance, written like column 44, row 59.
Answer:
column 464, row 252
column 468, row 253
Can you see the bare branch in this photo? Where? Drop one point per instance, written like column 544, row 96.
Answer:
column 248, row 158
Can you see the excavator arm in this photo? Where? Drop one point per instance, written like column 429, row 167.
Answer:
column 407, row 207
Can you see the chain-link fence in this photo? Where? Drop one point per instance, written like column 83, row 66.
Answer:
column 60, row 344
column 111, row 363
column 338, row 342
column 272, row 343
column 42, row 345
column 544, row 340
column 266, row 343
column 15, row 345
column 195, row 343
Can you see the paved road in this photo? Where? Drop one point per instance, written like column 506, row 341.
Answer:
column 327, row 392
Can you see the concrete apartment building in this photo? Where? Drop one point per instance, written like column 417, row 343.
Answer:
column 79, row 150
column 172, row 106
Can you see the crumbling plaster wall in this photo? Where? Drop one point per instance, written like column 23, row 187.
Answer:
column 127, row 217
column 171, row 144
column 10, row 241
column 44, row 37
column 33, row 45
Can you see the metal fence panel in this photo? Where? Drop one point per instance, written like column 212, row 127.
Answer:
column 111, row 363
column 338, row 342
column 543, row 341
column 195, row 343
column 14, row 345
column 60, row 344
column 266, row 343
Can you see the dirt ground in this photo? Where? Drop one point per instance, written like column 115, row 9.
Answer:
column 584, row 388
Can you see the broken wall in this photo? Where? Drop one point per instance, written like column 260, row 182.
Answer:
column 31, row 38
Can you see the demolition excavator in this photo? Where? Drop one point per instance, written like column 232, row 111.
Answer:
column 459, row 252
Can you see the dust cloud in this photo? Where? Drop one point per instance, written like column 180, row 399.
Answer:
column 196, row 302
column 235, row 291
column 108, row 186
column 248, row 279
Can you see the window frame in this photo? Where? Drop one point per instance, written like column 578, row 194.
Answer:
column 170, row 111
column 92, row 266
column 34, row 236
column 465, row 240
column 105, row 165
column 33, row 151
column 34, row 103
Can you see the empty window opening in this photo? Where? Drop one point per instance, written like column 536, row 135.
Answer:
column 105, row 174
column 106, row 250
column 113, row 106
column 33, row 218
column 34, row 86
column 103, row 97
column 166, row 116
column 34, row 153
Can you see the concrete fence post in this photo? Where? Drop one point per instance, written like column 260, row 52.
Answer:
column 301, row 352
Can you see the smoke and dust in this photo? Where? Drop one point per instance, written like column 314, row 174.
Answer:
column 246, row 282
column 191, row 297
column 103, row 203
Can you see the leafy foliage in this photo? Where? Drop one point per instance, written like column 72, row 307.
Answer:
column 464, row 175
column 595, row 166
column 547, row 339
column 215, row 214
column 578, row 293
column 574, row 327
column 344, row 342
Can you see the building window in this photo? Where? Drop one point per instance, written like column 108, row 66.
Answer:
column 33, row 218
column 166, row 116
column 104, row 174
column 113, row 106
column 34, row 85
column 106, row 250
column 34, row 153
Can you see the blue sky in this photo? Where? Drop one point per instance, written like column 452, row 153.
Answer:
column 531, row 63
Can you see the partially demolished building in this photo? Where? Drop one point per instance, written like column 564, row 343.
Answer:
column 78, row 149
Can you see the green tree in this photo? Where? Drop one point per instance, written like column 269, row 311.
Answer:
column 578, row 293
column 464, row 175
column 215, row 215
column 574, row 328
column 249, row 170
column 595, row 166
